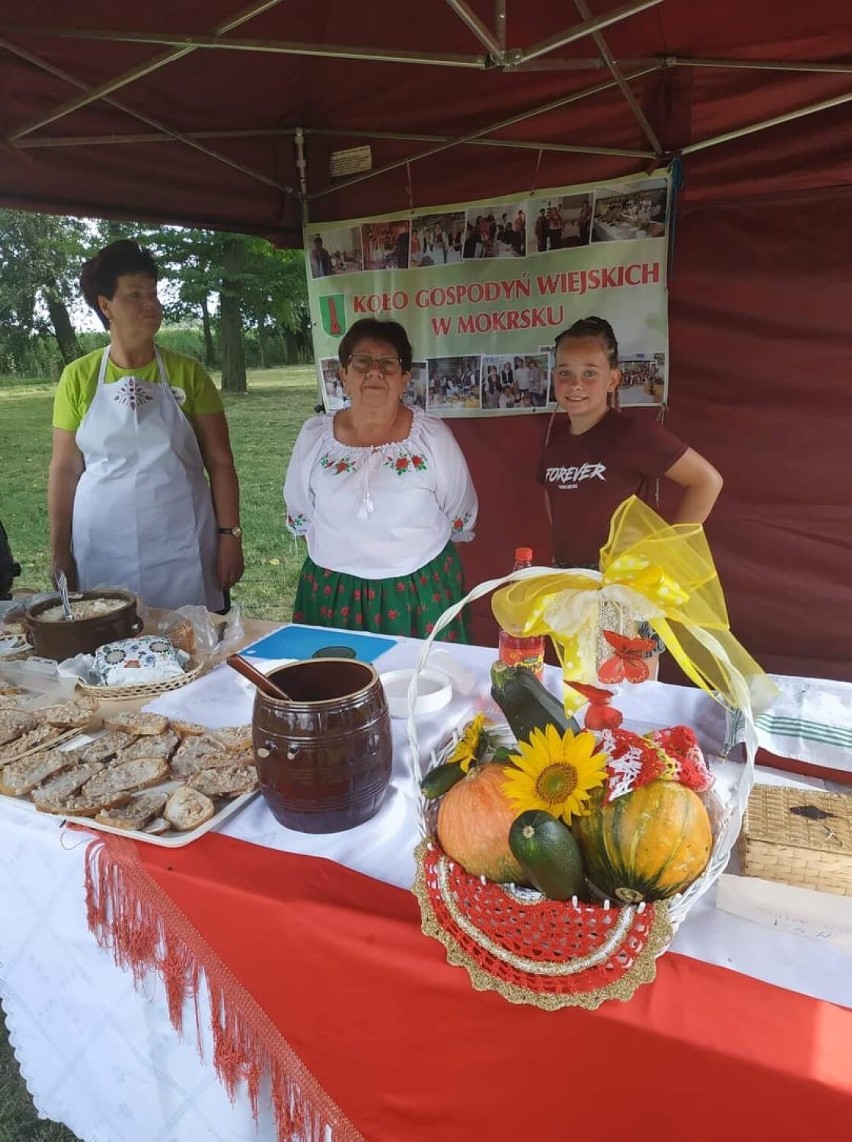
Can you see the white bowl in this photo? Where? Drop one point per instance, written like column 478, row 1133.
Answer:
column 434, row 690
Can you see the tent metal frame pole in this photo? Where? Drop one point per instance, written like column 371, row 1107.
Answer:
column 589, row 27
column 501, row 23
column 198, row 42
column 165, row 132
column 302, row 168
column 95, row 93
column 339, row 132
column 183, row 44
column 759, row 65
column 728, row 136
column 473, row 23
column 553, row 105
column 630, row 99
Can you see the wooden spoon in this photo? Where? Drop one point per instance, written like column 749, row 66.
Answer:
column 261, row 681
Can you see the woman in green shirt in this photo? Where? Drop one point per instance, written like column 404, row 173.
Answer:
column 137, row 433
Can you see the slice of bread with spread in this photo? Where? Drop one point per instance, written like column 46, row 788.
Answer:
column 187, row 809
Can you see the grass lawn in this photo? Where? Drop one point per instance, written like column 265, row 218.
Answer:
column 264, row 424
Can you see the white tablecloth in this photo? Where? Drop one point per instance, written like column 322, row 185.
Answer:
column 103, row 1058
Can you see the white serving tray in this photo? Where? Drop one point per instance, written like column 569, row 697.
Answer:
column 170, row 840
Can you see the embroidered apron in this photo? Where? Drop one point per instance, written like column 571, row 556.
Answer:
column 143, row 511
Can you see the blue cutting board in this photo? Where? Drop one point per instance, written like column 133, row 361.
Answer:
column 302, row 642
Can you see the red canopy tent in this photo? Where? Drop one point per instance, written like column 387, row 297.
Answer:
column 194, row 113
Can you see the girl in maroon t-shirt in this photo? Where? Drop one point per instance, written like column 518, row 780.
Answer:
column 595, row 458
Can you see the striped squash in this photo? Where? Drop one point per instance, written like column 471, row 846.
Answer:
column 646, row 845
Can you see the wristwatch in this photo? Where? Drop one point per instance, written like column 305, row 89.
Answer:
column 236, row 532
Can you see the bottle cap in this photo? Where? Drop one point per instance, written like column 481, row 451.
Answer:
column 523, row 555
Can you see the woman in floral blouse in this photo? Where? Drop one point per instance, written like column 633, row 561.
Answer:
column 382, row 493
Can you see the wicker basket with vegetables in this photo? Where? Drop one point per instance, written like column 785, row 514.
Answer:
column 557, row 860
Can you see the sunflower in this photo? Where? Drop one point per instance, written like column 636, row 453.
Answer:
column 555, row 773
column 472, row 743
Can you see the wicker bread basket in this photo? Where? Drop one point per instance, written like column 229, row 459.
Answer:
column 143, row 689
column 799, row 837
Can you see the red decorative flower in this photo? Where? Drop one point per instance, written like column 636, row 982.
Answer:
column 371, row 594
column 344, row 612
column 402, row 464
column 327, row 589
column 358, row 619
column 436, row 598
column 418, row 462
column 399, row 586
column 340, row 466
column 356, row 594
column 424, row 579
column 392, row 615
column 458, row 524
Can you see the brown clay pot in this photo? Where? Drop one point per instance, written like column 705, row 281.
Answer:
column 62, row 639
column 324, row 758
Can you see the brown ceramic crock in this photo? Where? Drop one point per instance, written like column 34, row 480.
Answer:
column 63, row 639
column 323, row 758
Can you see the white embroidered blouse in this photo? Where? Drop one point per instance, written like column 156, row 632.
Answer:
column 383, row 511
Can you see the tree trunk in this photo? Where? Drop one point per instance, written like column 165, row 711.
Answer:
column 209, row 347
column 66, row 338
column 233, row 351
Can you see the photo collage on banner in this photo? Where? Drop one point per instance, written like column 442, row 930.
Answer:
column 483, row 289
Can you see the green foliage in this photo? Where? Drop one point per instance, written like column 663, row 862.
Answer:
column 271, row 287
column 40, row 260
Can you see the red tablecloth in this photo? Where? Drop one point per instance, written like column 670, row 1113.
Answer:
column 403, row 1045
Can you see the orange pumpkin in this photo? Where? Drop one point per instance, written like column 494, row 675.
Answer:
column 646, row 845
column 474, row 818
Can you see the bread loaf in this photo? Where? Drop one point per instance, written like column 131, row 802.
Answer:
column 228, row 782
column 137, row 723
column 68, row 714
column 137, row 813
column 150, row 745
column 51, row 795
column 187, row 809
column 20, row 777
column 33, row 739
column 14, row 723
column 126, row 776
column 235, row 739
column 107, row 746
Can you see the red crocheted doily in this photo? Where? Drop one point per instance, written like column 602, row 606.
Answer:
column 539, row 946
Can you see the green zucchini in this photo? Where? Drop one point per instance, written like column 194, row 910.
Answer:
column 527, row 703
column 545, row 849
column 437, row 781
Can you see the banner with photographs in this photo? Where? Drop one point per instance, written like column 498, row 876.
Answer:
column 484, row 288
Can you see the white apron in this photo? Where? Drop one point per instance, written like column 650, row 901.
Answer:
column 143, row 511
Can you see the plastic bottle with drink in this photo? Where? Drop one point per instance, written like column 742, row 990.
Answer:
column 521, row 650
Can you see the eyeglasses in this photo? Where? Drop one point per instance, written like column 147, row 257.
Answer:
column 363, row 363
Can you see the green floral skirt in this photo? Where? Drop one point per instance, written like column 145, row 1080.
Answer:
column 407, row 605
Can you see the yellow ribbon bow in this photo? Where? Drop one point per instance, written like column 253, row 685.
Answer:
column 660, row 573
